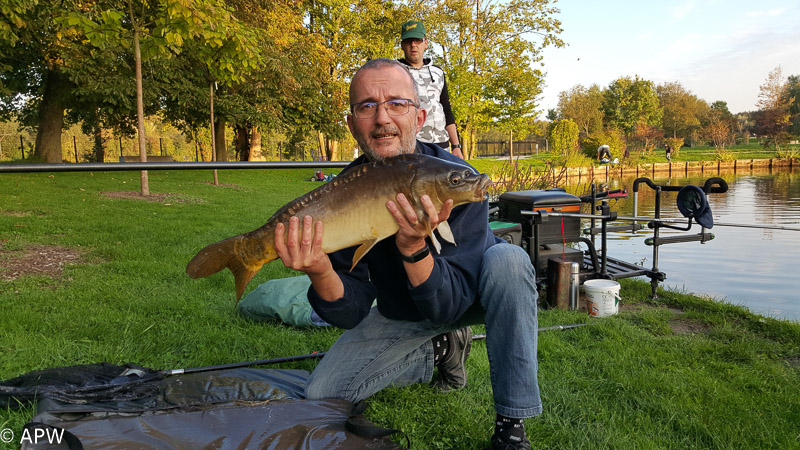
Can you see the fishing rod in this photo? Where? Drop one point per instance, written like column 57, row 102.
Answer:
column 478, row 337
column 261, row 362
column 663, row 220
column 720, row 224
column 312, row 355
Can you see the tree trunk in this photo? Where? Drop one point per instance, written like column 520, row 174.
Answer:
column 98, row 148
column 51, row 119
column 473, row 148
column 212, row 128
column 255, row 145
column 140, row 109
column 242, row 142
column 321, row 140
column 511, row 149
column 219, row 137
column 333, row 150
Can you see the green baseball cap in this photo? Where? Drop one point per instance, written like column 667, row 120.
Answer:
column 413, row 29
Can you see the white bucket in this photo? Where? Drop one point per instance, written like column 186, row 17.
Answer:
column 603, row 297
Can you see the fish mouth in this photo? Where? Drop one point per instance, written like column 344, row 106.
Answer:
column 482, row 187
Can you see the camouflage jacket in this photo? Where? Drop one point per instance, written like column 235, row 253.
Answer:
column 433, row 97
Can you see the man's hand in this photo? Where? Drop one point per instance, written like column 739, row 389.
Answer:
column 303, row 251
column 411, row 236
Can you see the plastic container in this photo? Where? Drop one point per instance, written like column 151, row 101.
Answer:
column 602, row 297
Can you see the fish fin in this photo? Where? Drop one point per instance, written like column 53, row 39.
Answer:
column 445, row 232
column 242, row 275
column 362, row 250
column 212, row 258
column 436, row 245
column 222, row 254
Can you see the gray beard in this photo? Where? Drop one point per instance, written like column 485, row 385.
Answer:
column 408, row 144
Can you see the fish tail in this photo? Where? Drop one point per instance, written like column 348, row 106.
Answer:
column 228, row 253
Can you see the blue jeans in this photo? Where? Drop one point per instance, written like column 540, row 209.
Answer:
column 380, row 352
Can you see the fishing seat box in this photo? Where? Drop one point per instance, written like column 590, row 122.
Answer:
column 511, row 205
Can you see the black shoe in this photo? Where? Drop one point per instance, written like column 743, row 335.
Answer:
column 498, row 443
column 452, row 369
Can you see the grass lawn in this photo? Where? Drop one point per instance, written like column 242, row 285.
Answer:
column 677, row 372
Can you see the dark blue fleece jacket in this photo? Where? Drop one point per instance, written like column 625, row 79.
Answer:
column 451, row 288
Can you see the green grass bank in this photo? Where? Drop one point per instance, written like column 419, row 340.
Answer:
column 676, row 372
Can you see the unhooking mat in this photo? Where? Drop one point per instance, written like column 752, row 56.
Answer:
column 236, row 408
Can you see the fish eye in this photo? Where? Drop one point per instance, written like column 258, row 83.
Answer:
column 455, row 179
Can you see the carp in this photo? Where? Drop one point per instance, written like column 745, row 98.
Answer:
column 353, row 209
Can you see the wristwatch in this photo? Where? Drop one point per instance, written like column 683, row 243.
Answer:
column 417, row 256
column 455, row 145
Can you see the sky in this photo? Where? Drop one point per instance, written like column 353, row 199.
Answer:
column 716, row 49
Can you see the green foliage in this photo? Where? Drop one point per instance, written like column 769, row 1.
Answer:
column 628, row 102
column 563, row 136
column 725, row 155
column 789, row 154
column 12, row 19
column 488, row 51
column 773, row 118
column 584, row 106
column 610, row 137
column 792, row 96
column 675, row 144
column 682, row 110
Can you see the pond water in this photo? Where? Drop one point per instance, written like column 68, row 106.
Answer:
column 752, row 267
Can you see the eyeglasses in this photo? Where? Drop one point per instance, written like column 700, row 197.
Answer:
column 368, row 110
column 410, row 41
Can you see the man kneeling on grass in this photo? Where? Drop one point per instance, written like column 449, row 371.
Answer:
column 425, row 302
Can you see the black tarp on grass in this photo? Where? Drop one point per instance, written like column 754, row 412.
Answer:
column 237, row 408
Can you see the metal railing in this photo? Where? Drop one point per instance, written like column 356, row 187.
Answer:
column 106, row 167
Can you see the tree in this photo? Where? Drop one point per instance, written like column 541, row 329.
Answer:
column 719, row 133
column 718, row 125
column 488, row 50
column 647, row 136
column 34, row 85
column 773, row 119
column 347, row 35
column 744, row 125
column 681, row 109
column 158, row 30
column 584, row 106
column 675, row 144
column 628, row 102
column 563, row 137
column 792, row 96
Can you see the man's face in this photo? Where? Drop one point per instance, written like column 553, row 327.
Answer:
column 385, row 135
column 414, row 50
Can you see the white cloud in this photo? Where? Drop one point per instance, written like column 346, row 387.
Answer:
column 683, row 10
column 774, row 12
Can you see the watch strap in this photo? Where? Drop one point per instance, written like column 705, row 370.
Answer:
column 417, row 256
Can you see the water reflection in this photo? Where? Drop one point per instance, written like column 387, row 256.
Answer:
column 744, row 266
